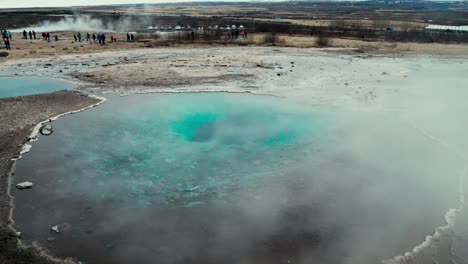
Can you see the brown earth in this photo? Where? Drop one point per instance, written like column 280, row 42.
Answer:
column 23, row 49
column 18, row 117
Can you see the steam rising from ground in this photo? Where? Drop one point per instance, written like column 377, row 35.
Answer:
column 73, row 23
column 384, row 181
column 87, row 23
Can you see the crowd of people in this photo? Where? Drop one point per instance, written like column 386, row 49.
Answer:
column 234, row 34
column 100, row 37
column 93, row 39
column 31, row 34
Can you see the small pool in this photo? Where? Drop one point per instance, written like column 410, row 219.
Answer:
column 29, row 85
column 155, row 149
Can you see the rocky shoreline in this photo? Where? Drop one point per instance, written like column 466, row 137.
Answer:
column 19, row 119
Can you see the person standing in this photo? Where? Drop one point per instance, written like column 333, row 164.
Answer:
column 34, row 34
column 128, row 37
column 7, row 43
column 30, row 35
column 103, row 38
column 88, row 37
column 79, row 37
column 74, row 36
column 94, row 38
column 25, row 34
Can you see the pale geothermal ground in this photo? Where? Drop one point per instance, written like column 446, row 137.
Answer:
column 427, row 94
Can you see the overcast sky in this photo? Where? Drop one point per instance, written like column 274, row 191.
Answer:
column 49, row 3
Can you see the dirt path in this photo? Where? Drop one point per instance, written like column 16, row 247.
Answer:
column 37, row 48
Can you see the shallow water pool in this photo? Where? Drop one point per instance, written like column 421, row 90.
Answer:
column 170, row 146
column 29, row 85
column 230, row 178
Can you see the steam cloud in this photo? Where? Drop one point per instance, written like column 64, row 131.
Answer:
column 352, row 203
column 87, row 23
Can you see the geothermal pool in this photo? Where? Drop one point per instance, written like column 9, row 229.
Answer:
column 231, row 178
column 18, row 86
column 159, row 151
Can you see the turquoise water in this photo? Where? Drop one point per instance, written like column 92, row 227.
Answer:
column 166, row 177
column 18, row 86
column 173, row 146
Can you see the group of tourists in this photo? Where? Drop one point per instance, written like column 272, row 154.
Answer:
column 7, row 36
column 113, row 38
column 234, row 34
column 78, row 37
column 100, row 38
column 31, row 34
column 130, row 37
column 46, row 36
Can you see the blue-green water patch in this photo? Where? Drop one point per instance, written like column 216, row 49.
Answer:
column 19, row 86
column 137, row 170
column 155, row 149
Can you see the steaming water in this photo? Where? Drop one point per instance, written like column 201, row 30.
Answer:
column 17, row 86
column 158, row 150
column 210, row 177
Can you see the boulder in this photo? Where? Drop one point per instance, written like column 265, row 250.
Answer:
column 4, row 54
column 46, row 129
column 24, row 185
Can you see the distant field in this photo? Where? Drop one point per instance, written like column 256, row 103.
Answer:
column 303, row 14
column 358, row 21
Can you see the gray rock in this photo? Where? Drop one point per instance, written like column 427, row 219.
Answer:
column 56, row 228
column 4, row 54
column 24, row 185
column 46, row 129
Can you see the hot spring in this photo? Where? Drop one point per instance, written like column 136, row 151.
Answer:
column 233, row 178
column 18, row 86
